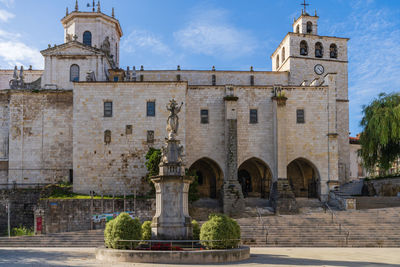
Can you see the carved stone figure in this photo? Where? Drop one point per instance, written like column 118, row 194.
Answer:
column 69, row 37
column 106, row 47
column 90, row 76
column 173, row 119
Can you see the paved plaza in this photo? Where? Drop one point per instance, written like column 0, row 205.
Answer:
column 358, row 257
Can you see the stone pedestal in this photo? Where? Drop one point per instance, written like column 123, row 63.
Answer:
column 172, row 220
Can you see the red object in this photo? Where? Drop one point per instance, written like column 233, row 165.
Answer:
column 39, row 224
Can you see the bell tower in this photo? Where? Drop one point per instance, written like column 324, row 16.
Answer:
column 93, row 28
column 309, row 57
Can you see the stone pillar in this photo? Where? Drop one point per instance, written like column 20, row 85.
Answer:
column 281, row 197
column 233, row 202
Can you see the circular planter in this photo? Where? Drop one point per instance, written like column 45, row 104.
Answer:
column 185, row 257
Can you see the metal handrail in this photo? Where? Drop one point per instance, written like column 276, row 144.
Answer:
column 260, row 220
column 170, row 242
column 333, row 214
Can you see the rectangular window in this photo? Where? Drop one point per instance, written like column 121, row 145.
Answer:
column 151, row 109
column 150, row 136
column 251, row 80
column 204, row 116
column 116, row 79
column 253, row 116
column 128, row 129
column 300, row 116
column 108, row 109
column 213, row 79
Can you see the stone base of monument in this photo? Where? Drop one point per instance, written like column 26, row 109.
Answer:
column 173, row 257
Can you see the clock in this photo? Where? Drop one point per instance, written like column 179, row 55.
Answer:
column 319, row 69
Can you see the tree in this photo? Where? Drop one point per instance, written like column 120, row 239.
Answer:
column 380, row 138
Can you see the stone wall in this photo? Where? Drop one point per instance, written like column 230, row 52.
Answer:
column 40, row 137
column 389, row 187
column 65, row 215
column 119, row 167
column 23, row 202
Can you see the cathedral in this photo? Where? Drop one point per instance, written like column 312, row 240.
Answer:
column 264, row 134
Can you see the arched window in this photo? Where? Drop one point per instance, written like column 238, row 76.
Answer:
column 283, row 54
column 74, row 73
column 333, row 51
column 107, row 137
column 309, row 27
column 303, row 48
column 87, row 38
column 298, row 29
column 277, row 61
column 319, row 50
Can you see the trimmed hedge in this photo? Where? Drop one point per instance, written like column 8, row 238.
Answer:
column 122, row 228
column 220, row 227
column 196, row 230
column 146, row 230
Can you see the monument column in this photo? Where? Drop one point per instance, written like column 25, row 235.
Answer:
column 233, row 202
column 282, row 197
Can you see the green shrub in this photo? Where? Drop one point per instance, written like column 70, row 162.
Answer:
column 20, row 231
column 220, row 227
column 146, row 230
column 122, row 228
column 196, row 230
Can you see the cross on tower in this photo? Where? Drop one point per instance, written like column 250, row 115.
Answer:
column 305, row 5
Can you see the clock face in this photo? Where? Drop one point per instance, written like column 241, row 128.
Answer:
column 319, row 69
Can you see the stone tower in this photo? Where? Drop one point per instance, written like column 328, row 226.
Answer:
column 309, row 57
column 89, row 51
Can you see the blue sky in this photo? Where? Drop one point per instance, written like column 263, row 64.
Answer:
column 229, row 34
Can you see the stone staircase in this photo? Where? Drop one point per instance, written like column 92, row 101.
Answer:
column 93, row 238
column 357, row 228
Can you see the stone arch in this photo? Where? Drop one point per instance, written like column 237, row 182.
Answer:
column 298, row 29
column 277, row 61
column 319, row 50
column 255, row 177
column 333, row 52
column 309, row 27
column 210, row 176
column 304, row 178
column 303, row 48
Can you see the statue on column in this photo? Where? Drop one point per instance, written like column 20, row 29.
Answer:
column 173, row 119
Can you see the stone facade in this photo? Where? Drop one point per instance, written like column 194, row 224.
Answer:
column 231, row 120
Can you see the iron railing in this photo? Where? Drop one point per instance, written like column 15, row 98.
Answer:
column 340, row 225
column 171, row 245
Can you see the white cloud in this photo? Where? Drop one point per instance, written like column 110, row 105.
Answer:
column 140, row 39
column 14, row 52
column 210, row 33
column 8, row 3
column 5, row 15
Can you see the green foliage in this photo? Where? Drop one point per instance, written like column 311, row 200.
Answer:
column 196, row 230
column 146, row 230
column 220, row 227
column 380, row 138
column 193, row 191
column 22, row 230
column 153, row 158
column 122, row 227
column 108, row 233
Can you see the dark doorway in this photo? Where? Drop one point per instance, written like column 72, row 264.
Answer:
column 303, row 178
column 255, row 178
column 210, row 178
